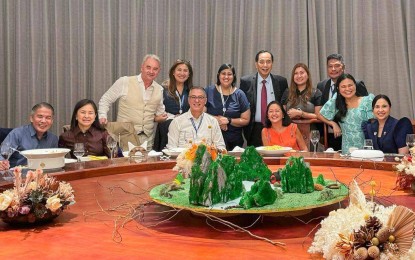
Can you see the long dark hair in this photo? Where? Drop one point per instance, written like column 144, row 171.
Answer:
column 293, row 98
column 286, row 121
column 381, row 96
column 224, row 67
column 340, row 100
column 79, row 105
column 188, row 84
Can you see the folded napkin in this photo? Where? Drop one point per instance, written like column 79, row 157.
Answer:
column 96, row 158
column 154, row 153
column 238, row 149
column 131, row 146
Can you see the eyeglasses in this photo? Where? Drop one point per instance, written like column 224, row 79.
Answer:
column 335, row 66
column 197, row 97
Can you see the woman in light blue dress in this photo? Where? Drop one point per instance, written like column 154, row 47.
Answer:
column 346, row 111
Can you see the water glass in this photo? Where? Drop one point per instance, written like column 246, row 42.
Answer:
column 79, row 150
column 368, row 144
column 6, row 150
column 315, row 138
column 111, row 144
column 410, row 141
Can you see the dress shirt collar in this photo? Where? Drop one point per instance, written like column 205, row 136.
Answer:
column 267, row 79
column 33, row 132
column 78, row 131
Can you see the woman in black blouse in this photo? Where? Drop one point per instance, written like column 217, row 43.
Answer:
column 175, row 98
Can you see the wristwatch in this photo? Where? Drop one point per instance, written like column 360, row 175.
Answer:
column 302, row 113
column 229, row 120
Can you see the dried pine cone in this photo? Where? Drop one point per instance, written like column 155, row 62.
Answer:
column 373, row 223
column 362, row 237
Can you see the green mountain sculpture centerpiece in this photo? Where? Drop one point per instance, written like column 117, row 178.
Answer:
column 217, row 182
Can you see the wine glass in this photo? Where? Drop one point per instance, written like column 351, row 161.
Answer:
column 368, row 144
column 315, row 138
column 111, row 144
column 410, row 141
column 79, row 150
column 6, row 150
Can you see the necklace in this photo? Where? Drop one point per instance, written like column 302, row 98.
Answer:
column 223, row 99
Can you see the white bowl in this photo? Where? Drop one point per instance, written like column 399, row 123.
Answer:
column 262, row 150
column 374, row 155
column 45, row 158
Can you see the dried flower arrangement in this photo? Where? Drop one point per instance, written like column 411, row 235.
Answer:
column 366, row 230
column 37, row 198
column 406, row 171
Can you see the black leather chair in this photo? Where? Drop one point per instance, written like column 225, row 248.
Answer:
column 3, row 133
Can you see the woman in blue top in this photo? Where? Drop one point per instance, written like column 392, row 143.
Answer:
column 349, row 110
column 388, row 134
column 229, row 106
column 175, row 98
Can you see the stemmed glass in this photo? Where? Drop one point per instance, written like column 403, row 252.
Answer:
column 6, row 150
column 315, row 138
column 410, row 141
column 112, row 144
column 79, row 150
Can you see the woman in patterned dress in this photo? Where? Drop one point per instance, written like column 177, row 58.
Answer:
column 346, row 111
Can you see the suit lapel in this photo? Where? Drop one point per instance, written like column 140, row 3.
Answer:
column 327, row 90
column 276, row 87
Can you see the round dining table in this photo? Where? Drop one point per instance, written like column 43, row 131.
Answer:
column 114, row 217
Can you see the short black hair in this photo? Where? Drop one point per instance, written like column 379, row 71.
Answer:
column 263, row 51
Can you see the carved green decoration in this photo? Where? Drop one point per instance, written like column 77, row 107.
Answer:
column 252, row 166
column 296, row 176
column 320, row 180
column 261, row 194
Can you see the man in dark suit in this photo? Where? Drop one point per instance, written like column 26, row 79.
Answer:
column 252, row 86
column 335, row 68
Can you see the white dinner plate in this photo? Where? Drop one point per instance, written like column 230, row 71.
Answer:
column 173, row 151
column 68, row 160
column 279, row 152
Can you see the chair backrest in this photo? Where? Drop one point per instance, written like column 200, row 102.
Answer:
column 125, row 131
column 66, row 128
column 3, row 133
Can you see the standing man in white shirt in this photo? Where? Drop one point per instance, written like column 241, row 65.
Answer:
column 195, row 125
column 140, row 100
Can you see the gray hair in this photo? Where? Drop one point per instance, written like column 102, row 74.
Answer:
column 335, row 56
column 151, row 56
column 40, row 105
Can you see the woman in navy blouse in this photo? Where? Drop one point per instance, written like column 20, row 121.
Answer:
column 229, row 106
column 175, row 96
column 388, row 134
